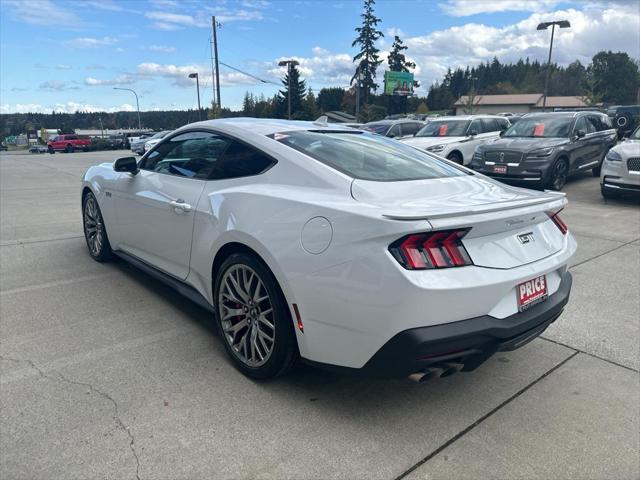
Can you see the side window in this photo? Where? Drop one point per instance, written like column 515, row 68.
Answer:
column 192, row 155
column 581, row 124
column 606, row 122
column 476, row 127
column 503, row 124
column 595, row 122
column 489, row 125
column 239, row 160
column 410, row 128
column 394, row 131
column 71, row 137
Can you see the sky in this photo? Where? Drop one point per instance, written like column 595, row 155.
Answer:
column 68, row 55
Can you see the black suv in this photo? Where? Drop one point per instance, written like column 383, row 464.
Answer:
column 542, row 149
column 625, row 118
column 118, row 141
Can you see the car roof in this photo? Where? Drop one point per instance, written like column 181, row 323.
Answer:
column 391, row 121
column 264, row 126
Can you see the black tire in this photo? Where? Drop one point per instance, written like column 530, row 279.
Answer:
column 100, row 250
column 69, row 149
column 284, row 349
column 455, row 157
column 557, row 177
column 596, row 171
column 623, row 121
column 51, row 150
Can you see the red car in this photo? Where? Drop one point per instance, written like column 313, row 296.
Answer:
column 69, row 143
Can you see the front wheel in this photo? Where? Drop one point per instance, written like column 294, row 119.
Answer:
column 253, row 318
column 95, row 232
column 558, row 175
column 455, row 157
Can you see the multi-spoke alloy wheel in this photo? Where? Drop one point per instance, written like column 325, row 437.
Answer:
column 94, row 229
column 559, row 174
column 246, row 315
column 254, row 318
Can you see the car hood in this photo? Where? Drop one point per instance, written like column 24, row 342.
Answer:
column 423, row 142
column 628, row 148
column 523, row 144
column 440, row 197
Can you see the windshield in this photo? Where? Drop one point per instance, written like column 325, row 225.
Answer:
column 543, row 127
column 635, row 135
column 367, row 157
column 380, row 128
column 444, row 128
column 159, row 135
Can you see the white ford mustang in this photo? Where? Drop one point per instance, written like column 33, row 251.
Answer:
column 345, row 249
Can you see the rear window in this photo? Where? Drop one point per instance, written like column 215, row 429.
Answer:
column 367, row 157
column 380, row 128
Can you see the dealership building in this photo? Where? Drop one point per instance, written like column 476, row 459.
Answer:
column 518, row 103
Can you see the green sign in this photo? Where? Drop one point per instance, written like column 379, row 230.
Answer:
column 398, row 83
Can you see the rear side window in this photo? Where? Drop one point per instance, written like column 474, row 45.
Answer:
column 410, row 128
column 489, row 125
column 367, row 157
column 240, row 160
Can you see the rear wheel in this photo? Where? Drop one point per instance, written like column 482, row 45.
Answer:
column 95, row 232
column 558, row 175
column 253, row 318
column 455, row 157
column 51, row 150
column 69, row 149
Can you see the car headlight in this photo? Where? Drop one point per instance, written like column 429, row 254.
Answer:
column 613, row 156
column 436, row 148
column 540, row 153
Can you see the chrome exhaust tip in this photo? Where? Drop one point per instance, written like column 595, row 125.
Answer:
column 451, row 368
column 425, row 375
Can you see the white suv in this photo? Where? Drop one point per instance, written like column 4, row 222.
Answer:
column 456, row 138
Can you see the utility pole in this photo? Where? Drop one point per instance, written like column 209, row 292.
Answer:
column 289, row 64
column 544, row 26
column 215, row 53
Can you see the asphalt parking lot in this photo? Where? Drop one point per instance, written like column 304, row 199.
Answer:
column 105, row 373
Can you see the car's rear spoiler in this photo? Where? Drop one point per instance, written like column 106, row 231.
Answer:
column 555, row 200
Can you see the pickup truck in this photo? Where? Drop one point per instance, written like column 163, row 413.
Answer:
column 69, row 143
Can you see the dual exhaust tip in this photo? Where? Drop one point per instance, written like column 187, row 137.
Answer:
column 436, row 371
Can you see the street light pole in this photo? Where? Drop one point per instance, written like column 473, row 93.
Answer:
column 289, row 64
column 544, row 26
column 195, row 75
column 137, row 103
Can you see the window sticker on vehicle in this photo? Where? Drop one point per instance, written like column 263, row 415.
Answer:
column 442, row 131
column 538, row 130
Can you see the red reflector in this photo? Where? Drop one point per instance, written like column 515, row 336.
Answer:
column 440, row 249
column 298, row 318
column 555, row 217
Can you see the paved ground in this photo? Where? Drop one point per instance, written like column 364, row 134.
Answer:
column 104, row 373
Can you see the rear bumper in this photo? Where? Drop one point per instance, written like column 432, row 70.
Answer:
column 469, row 342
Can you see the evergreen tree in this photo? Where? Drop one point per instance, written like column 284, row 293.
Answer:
column 330, row 99
column 367, row 58
column 310, row 106
column 615, row 77
column 298, row 91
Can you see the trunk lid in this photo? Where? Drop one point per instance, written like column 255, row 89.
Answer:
column 509, row 225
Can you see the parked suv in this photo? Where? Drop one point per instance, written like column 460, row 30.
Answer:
column 621, row 168
column 457, row 137
column 625, row 118
column 69, row 143
column 394, row 128
column 118, row 141
column 542, row 149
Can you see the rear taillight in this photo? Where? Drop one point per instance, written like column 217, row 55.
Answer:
column 555, row 217
column 442, row 249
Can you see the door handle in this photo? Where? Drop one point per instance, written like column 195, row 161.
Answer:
column 179, row 206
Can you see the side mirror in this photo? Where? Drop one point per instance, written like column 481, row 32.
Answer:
column 502, row 133
column 473, row 133
column 126, row 164
column 580, row 133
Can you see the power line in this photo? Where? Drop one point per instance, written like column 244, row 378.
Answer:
column 249, row 74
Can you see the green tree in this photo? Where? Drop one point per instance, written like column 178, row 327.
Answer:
column 298, row 91
column 615, row 77
column 310, row 106
column 330, row 99
column 367, row 57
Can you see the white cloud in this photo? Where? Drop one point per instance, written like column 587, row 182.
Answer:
column 121, row 80
column 42, row 12
column 160, row 48
column 57, row 86
column 68, row 107
column 173, row 16
column 324, row 67
column 177, row 19
column 179, row 74
column 63, row 66
column 90, row 42
column 464, row 8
